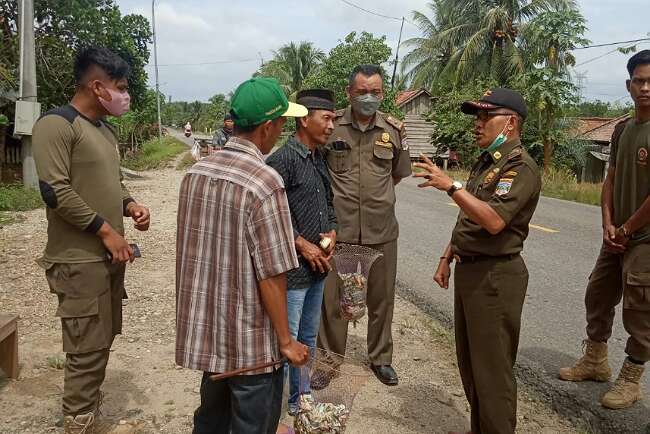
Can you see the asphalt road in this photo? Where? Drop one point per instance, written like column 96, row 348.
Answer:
column 560, row 252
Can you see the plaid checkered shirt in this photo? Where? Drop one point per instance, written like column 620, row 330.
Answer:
column 234, row 230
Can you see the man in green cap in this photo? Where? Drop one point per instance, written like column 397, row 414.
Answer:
column 496, row 206
column 235, row 245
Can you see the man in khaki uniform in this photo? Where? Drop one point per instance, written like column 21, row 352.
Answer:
column 622, row 270
column 367, row 156
column 78, row 167
column 491, row 278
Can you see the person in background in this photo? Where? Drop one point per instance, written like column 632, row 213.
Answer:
column 188, row 129
column 78, row 167
column 235, row 244
column 222, row 135
column 304, row 172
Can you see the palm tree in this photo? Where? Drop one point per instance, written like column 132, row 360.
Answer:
column 292, row 64
column 466, row 39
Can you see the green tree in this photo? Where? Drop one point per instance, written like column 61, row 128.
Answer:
column 352, row 51
column 292, row 64
column 476, row 38
column 61, row 28
column 552, row 36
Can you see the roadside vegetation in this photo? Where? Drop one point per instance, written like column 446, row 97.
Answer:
column 155, row 154
column 15, row 198
column 185, row 162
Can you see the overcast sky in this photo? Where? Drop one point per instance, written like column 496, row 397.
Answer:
column 191, row 32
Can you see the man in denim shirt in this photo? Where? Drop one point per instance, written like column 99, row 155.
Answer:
column 307, row 183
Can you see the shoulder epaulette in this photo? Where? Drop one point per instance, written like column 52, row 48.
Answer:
column 393, row 121
column 515, row 153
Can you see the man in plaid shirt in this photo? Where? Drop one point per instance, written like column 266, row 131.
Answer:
column 234, row 246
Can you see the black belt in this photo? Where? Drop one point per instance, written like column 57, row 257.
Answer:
column 478, row 258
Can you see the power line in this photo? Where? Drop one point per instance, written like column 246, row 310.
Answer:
column 388, row 17
column 603, row 55
column 611, row 43
column 215, row 62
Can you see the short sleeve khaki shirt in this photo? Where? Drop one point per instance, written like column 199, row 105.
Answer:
column 629, row 155
column 363, row 166
column 509, row 180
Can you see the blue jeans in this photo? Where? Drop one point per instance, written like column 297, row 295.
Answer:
column 303, row 305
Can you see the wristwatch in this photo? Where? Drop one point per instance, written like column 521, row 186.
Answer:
column 455, row 186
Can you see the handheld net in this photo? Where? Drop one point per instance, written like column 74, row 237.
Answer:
column 327, row 409
column 353, row 264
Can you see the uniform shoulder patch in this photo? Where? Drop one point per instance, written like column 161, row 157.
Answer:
column 394, row 122
column 340, row 113
column 503, row 186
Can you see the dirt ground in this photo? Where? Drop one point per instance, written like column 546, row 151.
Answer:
column 143, row 383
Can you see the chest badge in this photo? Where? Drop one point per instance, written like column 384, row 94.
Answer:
column 385, row 137
column 497, row 155
column 643, row 156
column 490, row 176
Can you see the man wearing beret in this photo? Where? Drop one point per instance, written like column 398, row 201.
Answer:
column 491, row 278
column 304, row 171
column 234, row 247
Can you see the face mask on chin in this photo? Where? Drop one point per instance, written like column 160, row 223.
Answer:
column 366, row 104
column 118, row 105
column 500, row 139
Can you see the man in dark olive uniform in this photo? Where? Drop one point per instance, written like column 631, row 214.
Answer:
column 491, row 278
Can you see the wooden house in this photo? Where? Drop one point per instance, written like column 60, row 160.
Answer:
column 416, row 104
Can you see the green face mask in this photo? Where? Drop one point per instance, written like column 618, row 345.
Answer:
column 499, row 140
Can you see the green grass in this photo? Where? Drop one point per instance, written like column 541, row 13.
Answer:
column 563, row 185
column 15, row 197
column 185, row 162
column 155, row 154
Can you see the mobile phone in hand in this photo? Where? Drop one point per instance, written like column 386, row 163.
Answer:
column 134, row 247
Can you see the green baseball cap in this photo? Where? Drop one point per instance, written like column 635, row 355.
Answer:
column 261, row 99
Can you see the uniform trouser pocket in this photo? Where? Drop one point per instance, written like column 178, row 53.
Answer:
column 85, row 305
column 636, row 302
column 637, row 291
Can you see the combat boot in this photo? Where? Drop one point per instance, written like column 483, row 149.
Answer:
column 106, row 426
column 80, row 424
column 626, row 390
column 592, row 365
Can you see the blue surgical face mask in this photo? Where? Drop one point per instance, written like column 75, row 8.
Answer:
column 500, row 139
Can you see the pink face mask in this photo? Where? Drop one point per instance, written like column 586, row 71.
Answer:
column 119, row 103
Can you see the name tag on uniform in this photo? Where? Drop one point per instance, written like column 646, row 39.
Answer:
column 388, row 145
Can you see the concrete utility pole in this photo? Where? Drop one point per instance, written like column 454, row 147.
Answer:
column 27, row 84
column 155, row 61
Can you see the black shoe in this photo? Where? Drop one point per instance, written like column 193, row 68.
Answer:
column 386, row 374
